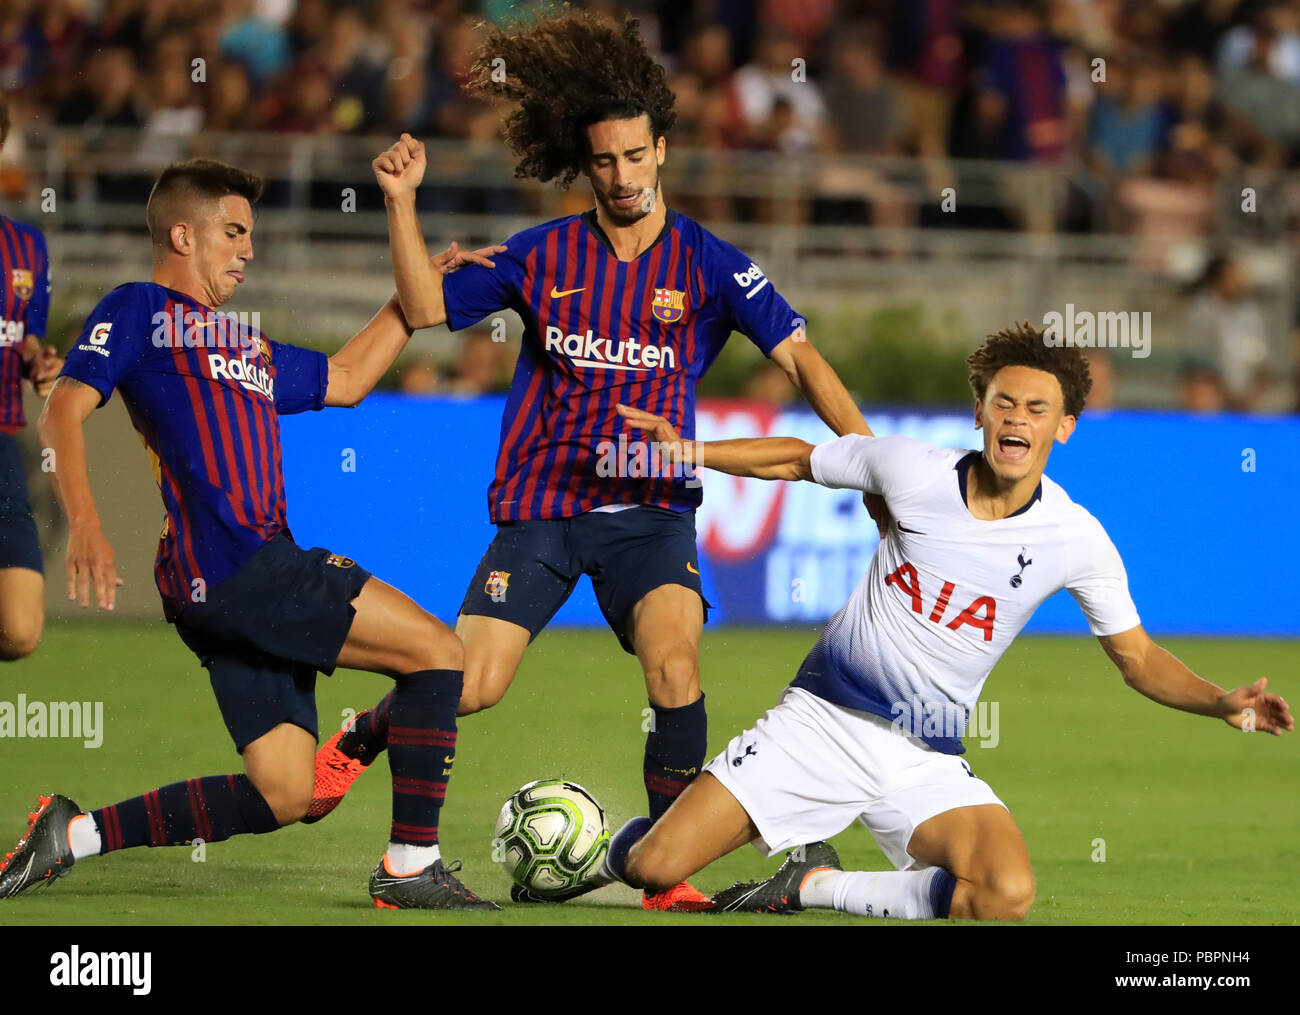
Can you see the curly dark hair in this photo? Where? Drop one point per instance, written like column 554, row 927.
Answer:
column 1025, row 346
column 567, row 71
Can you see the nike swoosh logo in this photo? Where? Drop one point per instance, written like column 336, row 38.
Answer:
column 904, row 528
column 27, row 871
column 691, row 568
column 736, row 904
column 446, row 759
column 556, row 294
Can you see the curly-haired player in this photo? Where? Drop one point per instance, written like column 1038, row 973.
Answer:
column 870, row 728
column 628, row 302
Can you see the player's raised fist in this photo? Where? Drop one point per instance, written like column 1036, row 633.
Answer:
column 400, row 168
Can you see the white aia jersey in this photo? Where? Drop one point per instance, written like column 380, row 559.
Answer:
column 946, row 592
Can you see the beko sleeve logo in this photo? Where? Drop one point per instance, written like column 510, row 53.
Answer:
column 745, row 279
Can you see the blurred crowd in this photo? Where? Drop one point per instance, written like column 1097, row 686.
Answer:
column 1178, row 90
column 480, row 366
column 1151, row 103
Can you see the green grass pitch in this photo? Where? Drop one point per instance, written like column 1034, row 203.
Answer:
column 1200, row 822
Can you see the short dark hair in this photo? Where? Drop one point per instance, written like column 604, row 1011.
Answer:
column 4, row 122
column 202, row 179
column 1024, row 346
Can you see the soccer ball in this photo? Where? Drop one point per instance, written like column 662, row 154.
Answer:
column 551, row 835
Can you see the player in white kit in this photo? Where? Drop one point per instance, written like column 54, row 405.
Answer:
column 870, row 728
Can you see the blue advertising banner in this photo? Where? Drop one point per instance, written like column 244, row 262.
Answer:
column 1202, row 510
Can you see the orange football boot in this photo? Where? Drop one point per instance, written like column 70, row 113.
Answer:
column 335, row 774
column 681, row 898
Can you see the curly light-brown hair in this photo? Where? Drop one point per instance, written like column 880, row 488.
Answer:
column 566, row 71
column 1025, row 346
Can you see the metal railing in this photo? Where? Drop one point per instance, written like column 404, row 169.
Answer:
column 322, row 262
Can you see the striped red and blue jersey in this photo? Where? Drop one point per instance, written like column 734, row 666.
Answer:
column 24, row 310
column 204, row 391
column 599, row 331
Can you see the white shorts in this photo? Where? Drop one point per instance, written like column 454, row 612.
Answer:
column 809, row 768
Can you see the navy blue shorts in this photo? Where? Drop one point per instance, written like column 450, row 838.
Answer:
column 531, row 567
column 263, row 633
column 20, row 544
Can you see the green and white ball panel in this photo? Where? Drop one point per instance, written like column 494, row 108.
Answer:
column 548, row 823
column 550, row 835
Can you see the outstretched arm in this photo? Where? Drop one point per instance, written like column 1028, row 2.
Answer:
column 1158, row 674
column 821, row 385
column 759, row 457
column 356, row 368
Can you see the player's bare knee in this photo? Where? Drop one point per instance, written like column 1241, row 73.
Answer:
column 443, row 650
column 435, row 648
column 14, row 648
column 479, row 696
column 290, row 809
column 288, row 800
column 288, row 794
column 650, row 867
column 469, row 704
column 19, row 638
column 1005, row 895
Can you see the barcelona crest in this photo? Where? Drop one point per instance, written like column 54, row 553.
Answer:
column 20, row 281
column 255, row 346
column 496, row 584
column 668, row 305
column 338, row 560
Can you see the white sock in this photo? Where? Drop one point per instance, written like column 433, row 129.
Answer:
column 403, row 858
column 903, row 895
column 83, row 837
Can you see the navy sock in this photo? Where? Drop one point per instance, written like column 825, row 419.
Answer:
column 941, row 889
column 674, row 753
column 621, row 843
column 421, row 747
column 369, row 734
column 212, row 809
